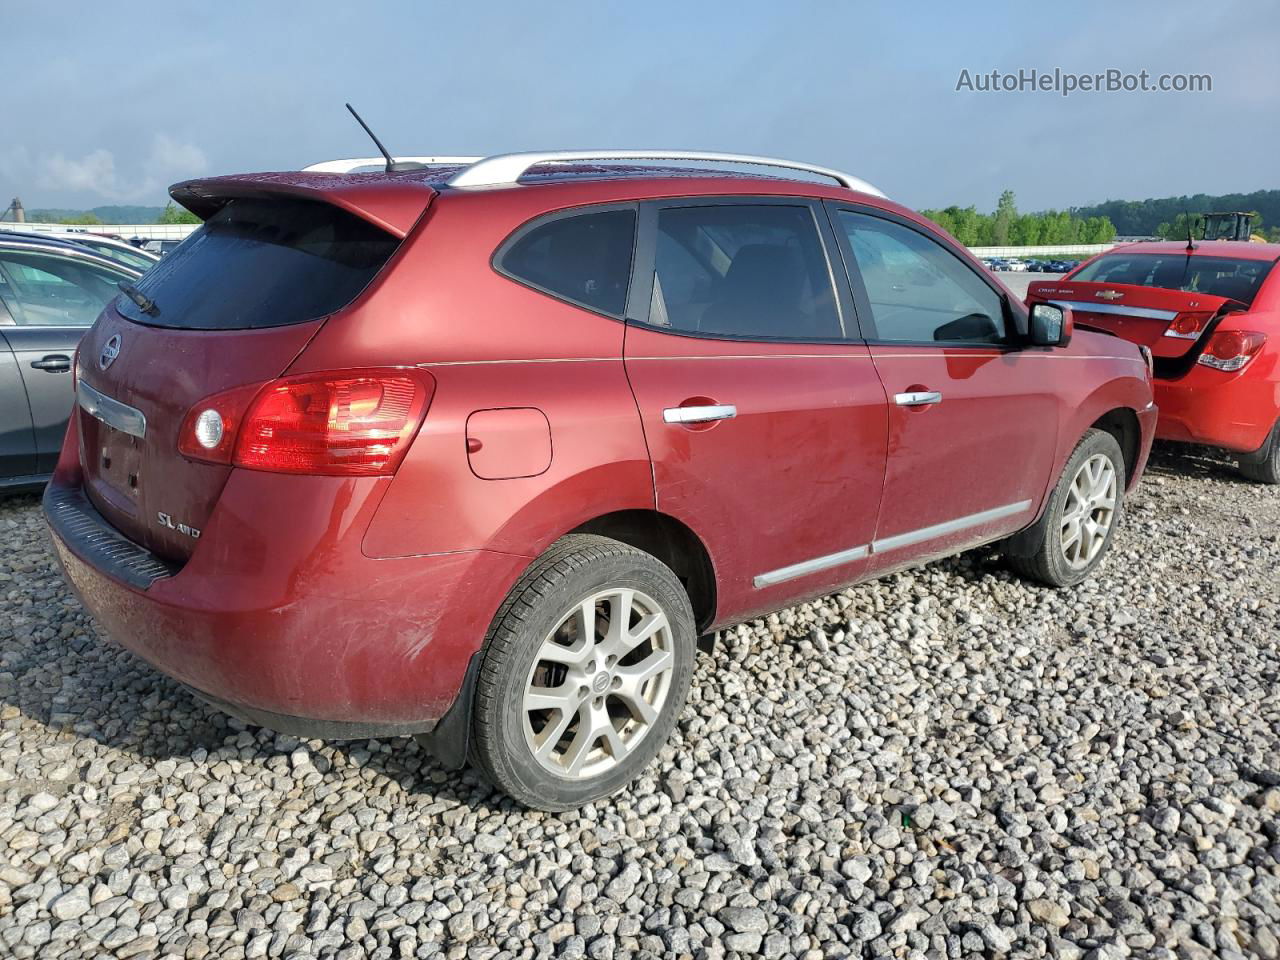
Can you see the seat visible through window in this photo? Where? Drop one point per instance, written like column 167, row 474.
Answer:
column 741, row 270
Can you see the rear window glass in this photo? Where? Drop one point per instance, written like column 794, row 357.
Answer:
column 584, row 258
column 741, row 270
column 263, row 263
column 1216, row 276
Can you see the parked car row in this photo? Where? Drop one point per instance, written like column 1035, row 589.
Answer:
column 476, row 451
column 1032, row 266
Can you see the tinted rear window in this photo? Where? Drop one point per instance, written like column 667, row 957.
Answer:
column 263, row 263
column 1216, row 276
column 584, row 258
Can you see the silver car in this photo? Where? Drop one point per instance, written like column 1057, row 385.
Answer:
column 51, row 291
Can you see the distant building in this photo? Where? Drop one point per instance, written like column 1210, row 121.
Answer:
column 14, row 212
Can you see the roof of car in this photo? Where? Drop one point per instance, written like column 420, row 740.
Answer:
column 380, row 196
column 54, row 245
column 1233, row 249
column 47, row 239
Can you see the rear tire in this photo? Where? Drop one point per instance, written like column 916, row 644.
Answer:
column 1266, row 467
column 1075, row 532
column 585, row 672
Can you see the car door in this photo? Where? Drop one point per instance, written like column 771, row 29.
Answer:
column 972, row 413
column 53, row 299
column 17, row 441
column 763, row 414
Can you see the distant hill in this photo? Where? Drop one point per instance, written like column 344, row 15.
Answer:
column 109, row 214
column 1143, row 217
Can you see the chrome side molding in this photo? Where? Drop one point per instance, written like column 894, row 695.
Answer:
column 950, row 526
column 806, row 567
column 117, row 415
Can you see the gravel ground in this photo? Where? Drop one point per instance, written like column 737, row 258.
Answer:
column 946, row 763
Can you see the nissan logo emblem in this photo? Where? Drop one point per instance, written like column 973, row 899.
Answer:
column 110, row 350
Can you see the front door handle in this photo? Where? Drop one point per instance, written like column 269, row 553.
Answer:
column 705, row 414
column 53, row 363
column 918, row 398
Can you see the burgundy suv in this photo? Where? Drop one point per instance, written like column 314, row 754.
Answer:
column 477, row 451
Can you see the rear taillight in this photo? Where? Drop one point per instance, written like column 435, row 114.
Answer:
column 1231, row 349
column 1188, row 326
column 353, row 423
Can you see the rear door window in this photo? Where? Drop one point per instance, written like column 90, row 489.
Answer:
column 263, row 263
column 584, row 258
column 742, row 270
column 48, row 291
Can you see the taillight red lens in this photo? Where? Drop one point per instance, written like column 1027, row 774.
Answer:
column 1188, row 326
column 357, row 423
column 1231, row 349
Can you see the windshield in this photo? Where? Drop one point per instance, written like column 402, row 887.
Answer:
column 262, row 263
column 1216, row 276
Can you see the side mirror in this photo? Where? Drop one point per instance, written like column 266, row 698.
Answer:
column 1050, row 325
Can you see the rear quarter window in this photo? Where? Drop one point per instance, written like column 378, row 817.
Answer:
column 263, row 263
column 584, row 258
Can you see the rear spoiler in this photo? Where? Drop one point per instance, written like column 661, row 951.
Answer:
column 392, row 204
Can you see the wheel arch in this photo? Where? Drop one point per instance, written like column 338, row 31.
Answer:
column 1122, row 423
column 671, row 541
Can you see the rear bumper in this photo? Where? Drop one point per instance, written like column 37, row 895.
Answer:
column 1233, row 411
column 279, row 618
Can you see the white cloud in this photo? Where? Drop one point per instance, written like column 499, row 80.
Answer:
column 96, row 172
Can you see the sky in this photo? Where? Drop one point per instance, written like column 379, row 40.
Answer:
column 110, row 103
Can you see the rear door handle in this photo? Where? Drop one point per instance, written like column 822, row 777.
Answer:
column 707, row 414
column 920, row 398
column 53, row 363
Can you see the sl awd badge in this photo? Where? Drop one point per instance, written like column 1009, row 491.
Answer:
column 167, row 521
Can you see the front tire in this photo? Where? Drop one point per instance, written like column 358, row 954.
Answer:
column 585, row 672
column 1075, row 532
column 1264, row 466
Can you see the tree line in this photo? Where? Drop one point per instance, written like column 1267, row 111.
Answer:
column 1007, row 227
column 1167, row 216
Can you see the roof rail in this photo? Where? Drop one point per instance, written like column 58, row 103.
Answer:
column 508, row 168
column 380, row 163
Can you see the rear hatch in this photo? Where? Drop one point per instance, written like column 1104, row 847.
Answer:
column 1169, row 322
column 234, row 305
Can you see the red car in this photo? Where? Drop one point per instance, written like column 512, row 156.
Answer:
column 477, row 452
column 1210, row 314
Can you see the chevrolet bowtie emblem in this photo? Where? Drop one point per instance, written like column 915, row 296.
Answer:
column 1109, row 294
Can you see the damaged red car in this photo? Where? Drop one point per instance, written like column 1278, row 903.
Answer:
column 1209, row 313
column 477, row 450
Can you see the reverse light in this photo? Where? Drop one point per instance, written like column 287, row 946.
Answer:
column 353, row 423
column 209, row 429
column 1230, row 350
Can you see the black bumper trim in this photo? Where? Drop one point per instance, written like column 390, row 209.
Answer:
column 311, row 728
column 75, row 522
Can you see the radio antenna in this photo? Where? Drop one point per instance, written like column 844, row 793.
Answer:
column 393, row 165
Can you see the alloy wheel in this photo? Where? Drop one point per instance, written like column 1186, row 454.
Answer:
column 598, row 683
column 1089, row 510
